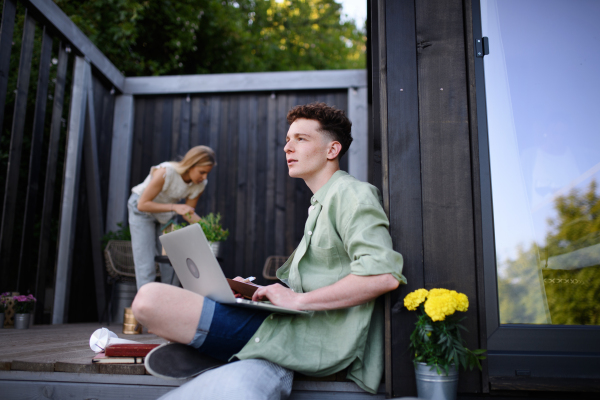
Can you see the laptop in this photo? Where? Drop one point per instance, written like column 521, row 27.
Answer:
column 199, row 271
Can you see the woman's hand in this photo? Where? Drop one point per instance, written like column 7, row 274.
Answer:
column 183, row 209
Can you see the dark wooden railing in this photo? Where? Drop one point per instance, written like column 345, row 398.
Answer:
column 30, row 216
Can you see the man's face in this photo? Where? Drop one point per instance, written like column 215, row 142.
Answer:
column 306, row 148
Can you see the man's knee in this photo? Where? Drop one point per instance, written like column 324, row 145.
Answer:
column 143, row 302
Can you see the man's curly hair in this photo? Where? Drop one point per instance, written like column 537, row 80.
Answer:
column 333, row 122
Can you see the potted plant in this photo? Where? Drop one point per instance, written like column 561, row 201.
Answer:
column 215, row 234
column 211, row 226
column 123, row 233
column 23, row 308
column 436, row 342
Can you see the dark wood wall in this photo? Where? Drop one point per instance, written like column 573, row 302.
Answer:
column 423, row 102
column 263, row 208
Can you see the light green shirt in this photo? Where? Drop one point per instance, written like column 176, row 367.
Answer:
column 346, row 233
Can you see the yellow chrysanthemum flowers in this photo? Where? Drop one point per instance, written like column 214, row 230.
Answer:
column 414, row 299
column 439, row 303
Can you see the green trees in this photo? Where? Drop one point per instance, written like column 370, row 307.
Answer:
column 213, row 36
column 569, row 264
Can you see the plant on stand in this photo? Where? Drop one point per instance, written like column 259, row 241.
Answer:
column 436, row 343
column 211, row 226
column 23, row 308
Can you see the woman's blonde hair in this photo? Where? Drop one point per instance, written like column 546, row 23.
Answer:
column 196, row 156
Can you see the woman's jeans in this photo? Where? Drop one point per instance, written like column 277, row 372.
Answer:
column 145, row 230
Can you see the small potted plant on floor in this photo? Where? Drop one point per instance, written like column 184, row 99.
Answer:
column 23, row 308
column 436, row 342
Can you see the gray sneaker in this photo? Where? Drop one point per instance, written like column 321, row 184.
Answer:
column 178, row 361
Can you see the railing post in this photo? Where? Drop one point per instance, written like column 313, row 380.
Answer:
column 16, row 144
column 120, row 162
column 49, row 186
column 68, row 208
column 6, row 35
column 94, row 196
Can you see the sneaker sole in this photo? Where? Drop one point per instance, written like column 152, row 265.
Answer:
column 178, row 361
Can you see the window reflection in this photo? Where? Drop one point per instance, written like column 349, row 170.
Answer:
column 542, row 94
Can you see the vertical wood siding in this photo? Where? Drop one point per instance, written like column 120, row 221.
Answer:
column 263, row 208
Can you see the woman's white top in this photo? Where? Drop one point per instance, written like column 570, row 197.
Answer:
column 173, row 190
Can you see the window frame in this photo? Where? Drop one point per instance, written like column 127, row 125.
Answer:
column 535, row 350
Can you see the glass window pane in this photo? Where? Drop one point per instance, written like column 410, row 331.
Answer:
column 543, row 95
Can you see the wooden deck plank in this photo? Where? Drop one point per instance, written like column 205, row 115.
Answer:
column 35, row 366
column 62, row 348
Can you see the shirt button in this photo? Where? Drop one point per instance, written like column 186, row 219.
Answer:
column 312, row 207
column 257, row 340
column 309, row 233
column 271, row 316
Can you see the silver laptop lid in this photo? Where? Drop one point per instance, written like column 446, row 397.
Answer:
column 195, row 264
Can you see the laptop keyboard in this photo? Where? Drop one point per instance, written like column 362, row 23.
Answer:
column 244, row 301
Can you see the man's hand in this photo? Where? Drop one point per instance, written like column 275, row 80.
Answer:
column 279, row 296
column 349, row 291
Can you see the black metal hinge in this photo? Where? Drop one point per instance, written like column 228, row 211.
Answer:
column 482, row 47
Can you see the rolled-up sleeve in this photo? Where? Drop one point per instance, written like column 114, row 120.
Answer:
column 368, row 243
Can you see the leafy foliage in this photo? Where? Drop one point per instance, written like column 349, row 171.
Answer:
column 24, row 304
column 436, row 340
column 211, row 226
column 215, row 36
column 572, row 295
column 123, row 233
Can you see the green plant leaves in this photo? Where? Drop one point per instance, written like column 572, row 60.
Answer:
column 440, row 344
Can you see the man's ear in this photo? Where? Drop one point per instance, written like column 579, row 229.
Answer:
column 334, row 150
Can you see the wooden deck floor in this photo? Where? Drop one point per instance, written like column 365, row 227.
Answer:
column 62, row 348
column 55, row 361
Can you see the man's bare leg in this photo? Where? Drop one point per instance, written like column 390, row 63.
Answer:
column 168, row 311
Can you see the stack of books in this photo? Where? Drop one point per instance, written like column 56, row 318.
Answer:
column 124, row 353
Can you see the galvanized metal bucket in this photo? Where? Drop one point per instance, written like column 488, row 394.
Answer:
column 431, row 386
column 22, row 321
column 216, row 248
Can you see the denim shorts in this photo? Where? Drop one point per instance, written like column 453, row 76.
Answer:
column 224, row 330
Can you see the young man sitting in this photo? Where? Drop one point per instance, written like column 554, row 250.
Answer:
column 344, row 262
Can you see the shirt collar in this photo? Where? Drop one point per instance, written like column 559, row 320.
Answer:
column 322, row 193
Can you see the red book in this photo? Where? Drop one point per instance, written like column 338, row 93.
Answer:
column 104, row 359
column 129, row 349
